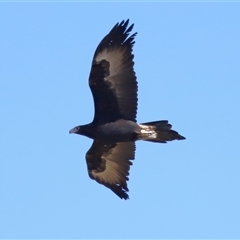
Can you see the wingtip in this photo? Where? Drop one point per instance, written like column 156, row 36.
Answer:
column 181, row 137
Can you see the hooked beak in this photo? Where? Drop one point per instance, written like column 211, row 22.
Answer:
column 74, row 130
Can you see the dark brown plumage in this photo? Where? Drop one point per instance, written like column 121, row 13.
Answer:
column 112, row 79
column 114, row 129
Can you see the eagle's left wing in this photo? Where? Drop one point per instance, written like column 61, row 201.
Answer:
column 112, row 78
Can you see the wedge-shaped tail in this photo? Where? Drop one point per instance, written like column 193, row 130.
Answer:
column 158, row 131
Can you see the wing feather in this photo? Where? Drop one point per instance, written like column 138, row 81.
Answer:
column 109, row 164
column 112, row 78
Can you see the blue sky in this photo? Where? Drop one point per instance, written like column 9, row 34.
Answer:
column 187, row 65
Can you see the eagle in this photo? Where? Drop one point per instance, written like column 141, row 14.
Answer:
column 114, row 128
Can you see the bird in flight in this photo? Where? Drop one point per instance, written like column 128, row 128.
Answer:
column 114, row 129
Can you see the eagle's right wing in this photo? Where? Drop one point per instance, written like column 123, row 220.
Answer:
column 109, row 164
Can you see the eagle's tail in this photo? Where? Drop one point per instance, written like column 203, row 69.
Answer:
column 158, row 131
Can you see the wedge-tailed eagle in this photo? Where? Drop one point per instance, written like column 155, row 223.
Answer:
column 114, row 129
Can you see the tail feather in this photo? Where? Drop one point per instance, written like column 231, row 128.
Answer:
column 158, row 131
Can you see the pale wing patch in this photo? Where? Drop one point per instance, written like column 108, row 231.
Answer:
column 115, row 58
column 121, row 77
column 118, row 163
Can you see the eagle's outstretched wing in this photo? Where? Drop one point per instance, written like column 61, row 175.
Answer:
column 112, row 78
column 109, row 164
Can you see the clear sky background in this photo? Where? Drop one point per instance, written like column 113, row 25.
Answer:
column 188, row 69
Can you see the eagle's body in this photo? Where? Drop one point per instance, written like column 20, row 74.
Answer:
column 114, row 129
column 119, row 131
